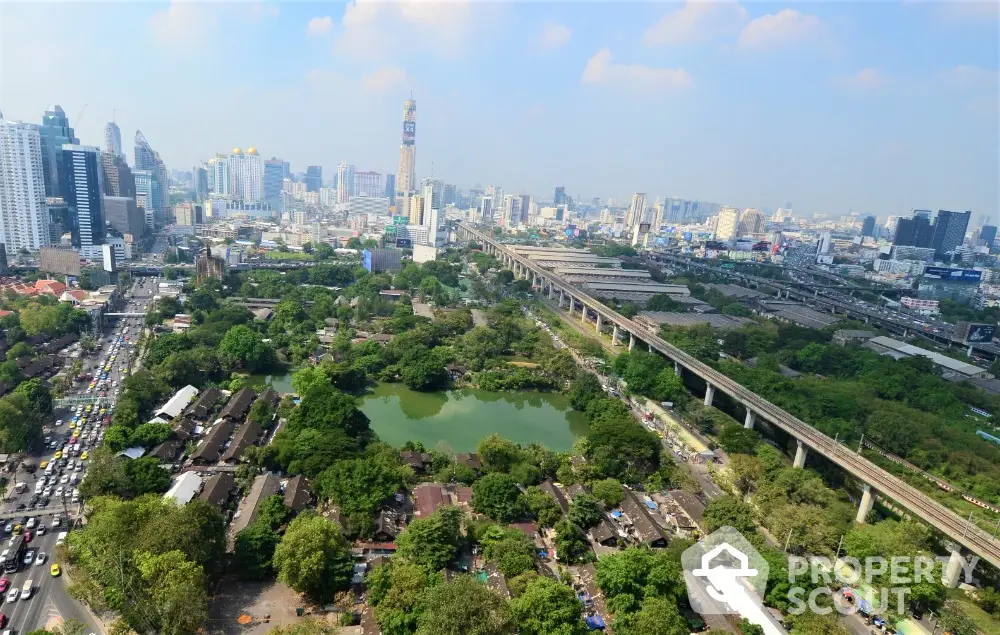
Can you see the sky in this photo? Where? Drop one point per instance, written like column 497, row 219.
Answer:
column 871, row 107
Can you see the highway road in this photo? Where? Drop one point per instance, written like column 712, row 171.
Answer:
column 50, row 604
column 938, row 516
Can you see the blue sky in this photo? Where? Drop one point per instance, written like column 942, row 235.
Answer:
column 876, row 107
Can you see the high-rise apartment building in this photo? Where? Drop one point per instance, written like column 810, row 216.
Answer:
column 728, row 225
column 274, row 174
column 949, row 230
column 24, row 217
column 417, row 209
column 450, row 196
column 116, row 176
column 345, row 182
column 525, row 208
column 560, row 196
column 636, row 210
column 368, row 184
column 188, row 214
column 314, row 178
column 751, row 221
column 81, row 180
column 144, row 195
column 511, row 211
column 390, row 188
column 246, row 175
column 868, row 226
column 123, row 215
column 486, row 210
column 200, row 177
column 433, row 191
column 658, row 211
column 113, row 139
column 218, row 168
column 913, row 232
column 406, row 176
column 988, row 234
column 55, row 133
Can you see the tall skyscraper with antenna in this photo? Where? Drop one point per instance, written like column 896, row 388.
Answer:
column 113, row 139
column 406, row 176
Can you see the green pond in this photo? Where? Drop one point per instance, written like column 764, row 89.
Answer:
column 461, row 418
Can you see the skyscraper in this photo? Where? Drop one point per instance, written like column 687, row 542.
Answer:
column 116, row 177
column 868, row 226
column 81, row 181
column 147, row 159
column 988, row 234
column 560, row 196
column 486, row 210
column 144, row 194
column 433, row 191
column 913, row 232
column 949, row 230
column 368, row 183
column 525, row 208
column 511, row 211
column 390, row 188
column 751, row 221
column 406, row 176
column 314, row 178
column 345, row 182
column 55, row 132
column 199, row 175
column 274, row 174
column 24, row 217
column 418, row 209
column 246, row 175
column 728, row 224
column 113, row 139
column 636, row 210
column 450, row 196
column 218, row 168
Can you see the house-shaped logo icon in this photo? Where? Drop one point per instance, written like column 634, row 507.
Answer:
column 722, row 573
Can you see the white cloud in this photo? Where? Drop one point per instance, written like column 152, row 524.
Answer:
column 384, row 79
column 603, row 69
column 866, row 78
column 319, row 26
column 968, row 75
column 553, row 36
column 697, row 21
column 376, row 29
column 775, row 30
column 181, row 23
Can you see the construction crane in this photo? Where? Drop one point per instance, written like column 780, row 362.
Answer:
column 80, row 116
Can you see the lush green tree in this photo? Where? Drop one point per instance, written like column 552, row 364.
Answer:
column 498, row 496
column 735, row 439
column 732, row 512
column 176, row 592
column 313, row 558
column 608, row 491
column 585, row 388
column 571, row 544
column 37, row 396
column 585, row 511
column 150, row 434
column 548, row 607
column 657, row 616
column 511, row 550
column 464, row 607
column 542, row 506
column 431, row 542
column 254, row 552
column 243, row 349
column 361, row 485
column 638, row 572
column 145, row 475
column 809, row 623
column 498, row 454
column 618, row 445
column 395, row 590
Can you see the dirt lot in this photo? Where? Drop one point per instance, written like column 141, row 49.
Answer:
column 257, row 599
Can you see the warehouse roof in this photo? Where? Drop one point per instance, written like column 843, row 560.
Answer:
column 643, row 287
column 948, row 363
column 715, row 320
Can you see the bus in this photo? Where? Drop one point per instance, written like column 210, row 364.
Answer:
column 15, row 557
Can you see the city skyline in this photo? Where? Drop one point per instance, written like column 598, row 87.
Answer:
column 748, row 105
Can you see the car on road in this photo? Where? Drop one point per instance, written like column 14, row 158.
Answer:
column 40, row 559
column 4, row 584
column 13, row 595
column 3, row 622
column 26, row 589
column 61, row 538
column 54, row 570
column 29, row 557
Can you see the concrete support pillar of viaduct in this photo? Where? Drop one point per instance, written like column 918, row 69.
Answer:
column 709, row 394
column 867, row 500
column 649, row 346
column 678, row 369
column 598, row 322
column 801, row 451
column 614, row 336
column 552, row 291
column 750, row 419
column 561, row 294
column 955, row 567
column 571, row 305
column 631, row 342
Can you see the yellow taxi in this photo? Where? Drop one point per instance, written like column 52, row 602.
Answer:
column 16, row 530
column 43, row 464
column 103, row 410
column 58, row 454
column 84, row 455
column 72, row 425
column 88, row 408
column 55, row 570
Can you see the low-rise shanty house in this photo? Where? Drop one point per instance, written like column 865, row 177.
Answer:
column 382, row 338
column 645, row 530
column 575, row 490
column 393, row 294
column 262, row 314
column 298, row 494
column 239, row 404
column 211, row 447
column 265, row 485
column 463, row 495
column 428, row 497
column 550, row 488
column 470, row 460
column 386, row 526
column 184, row 429
column 692, row 510
column 528, row 529
column 456, row 371
column 496, row 581
column 203, row 406
column 168, row 451
column 246, row 435
column 605, row 533
column 176, row 404
column 184, row 488
column 417, row 460
column 218, row 489
column 269, row 395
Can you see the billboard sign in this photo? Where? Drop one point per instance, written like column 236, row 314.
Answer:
column 404, row 242
column 956, row 275
column 409, row 132
column 400, row 220
column 971, row 333
column 687, row 236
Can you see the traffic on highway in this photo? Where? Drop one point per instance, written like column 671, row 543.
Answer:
column 43, row 502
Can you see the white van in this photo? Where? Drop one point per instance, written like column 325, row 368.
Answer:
column 26, row 589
